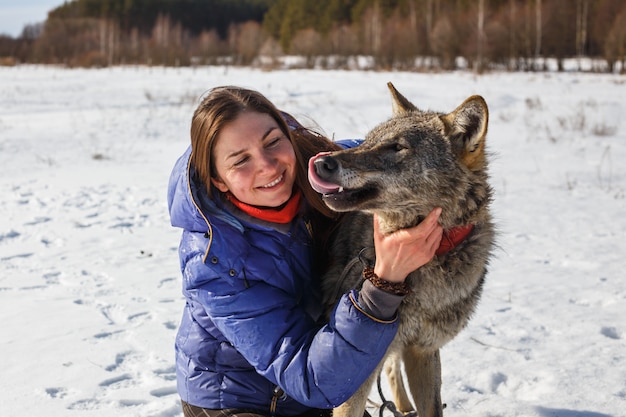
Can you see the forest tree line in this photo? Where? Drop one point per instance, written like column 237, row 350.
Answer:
column 399, row 34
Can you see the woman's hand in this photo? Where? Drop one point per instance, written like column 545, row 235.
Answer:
column 402, row 252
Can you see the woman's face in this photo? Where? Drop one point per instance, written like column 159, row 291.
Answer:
column 254, row 160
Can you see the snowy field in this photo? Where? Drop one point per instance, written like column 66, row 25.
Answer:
column 90, row 292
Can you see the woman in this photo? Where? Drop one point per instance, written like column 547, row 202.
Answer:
column 253, row 339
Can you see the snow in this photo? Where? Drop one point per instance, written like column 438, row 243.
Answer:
column 89, row 278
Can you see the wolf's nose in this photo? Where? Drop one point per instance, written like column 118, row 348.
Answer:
column 325, row 166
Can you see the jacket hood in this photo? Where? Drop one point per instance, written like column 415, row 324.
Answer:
column 186, row 195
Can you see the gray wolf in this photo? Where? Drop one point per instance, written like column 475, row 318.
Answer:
column 406, row 166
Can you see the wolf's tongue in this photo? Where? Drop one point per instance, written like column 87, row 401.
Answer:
column 317, row 183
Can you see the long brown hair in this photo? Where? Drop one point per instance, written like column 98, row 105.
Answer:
column 223, row 105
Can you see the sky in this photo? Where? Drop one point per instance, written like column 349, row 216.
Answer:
column 14, row 15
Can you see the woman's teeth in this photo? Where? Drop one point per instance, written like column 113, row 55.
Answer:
column 273, row 183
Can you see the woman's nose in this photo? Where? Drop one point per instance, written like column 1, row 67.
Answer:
column 266, row 162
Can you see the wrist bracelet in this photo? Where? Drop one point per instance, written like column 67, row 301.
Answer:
column 397, row 288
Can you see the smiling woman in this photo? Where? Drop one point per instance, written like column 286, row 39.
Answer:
column 254, row 161
column 254, row 340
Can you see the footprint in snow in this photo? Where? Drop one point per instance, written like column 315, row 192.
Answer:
column 56, row 392
column 106, row 335
column 168, row 374
column 120, row 359
column 611, row 333
column 52, row 277
column 88, row 404
column 12, row 234
column 118, row 381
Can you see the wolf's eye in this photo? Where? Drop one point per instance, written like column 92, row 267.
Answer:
column 398, row 147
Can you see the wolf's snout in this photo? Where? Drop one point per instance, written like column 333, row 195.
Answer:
column 321, row 168
column 326, row 166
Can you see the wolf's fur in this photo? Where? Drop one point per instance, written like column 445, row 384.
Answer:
column 415, row 161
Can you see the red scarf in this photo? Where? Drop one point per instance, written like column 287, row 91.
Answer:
column 283, row 214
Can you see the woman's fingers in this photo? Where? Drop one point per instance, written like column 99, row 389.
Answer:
column 402, row 252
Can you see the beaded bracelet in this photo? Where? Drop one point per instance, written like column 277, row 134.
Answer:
column 397, row 288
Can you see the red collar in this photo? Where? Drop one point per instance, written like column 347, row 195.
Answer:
column 452, row 237
column 283, row 215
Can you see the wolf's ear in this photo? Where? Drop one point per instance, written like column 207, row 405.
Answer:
column 399, row 103
column 466, row 127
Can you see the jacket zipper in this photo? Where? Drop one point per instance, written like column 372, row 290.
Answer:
column 278, row 394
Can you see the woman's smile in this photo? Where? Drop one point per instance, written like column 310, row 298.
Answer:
column 275, row 182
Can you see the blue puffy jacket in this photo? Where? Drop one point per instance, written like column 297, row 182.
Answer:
column 251, row 322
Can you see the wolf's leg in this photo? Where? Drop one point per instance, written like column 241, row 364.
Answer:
column 355, row 405
column 423, row 371
column 393, row 370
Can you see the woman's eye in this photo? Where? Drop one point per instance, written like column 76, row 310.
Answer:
column 274, row 142
column 240, row 162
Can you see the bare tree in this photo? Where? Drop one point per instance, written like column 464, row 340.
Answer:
column 344, row 40
column 109, row 40
column 306, row 43
column 429, row 20
column 582, row 16
column 372, row 24
column 246, row 40
column 445, row 42
column 167, row 43
column 207, row 47
column 480, row 37
column 615, row 43
column 538, row 35
column 500, row 47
